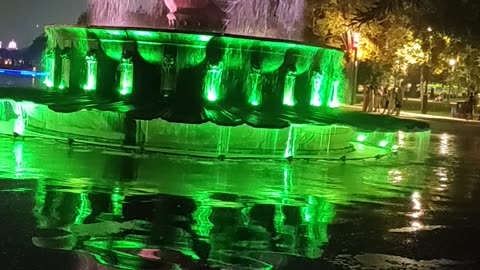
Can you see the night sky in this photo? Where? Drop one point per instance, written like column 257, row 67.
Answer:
column 19, row 18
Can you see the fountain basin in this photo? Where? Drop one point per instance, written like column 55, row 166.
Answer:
column 159, row 69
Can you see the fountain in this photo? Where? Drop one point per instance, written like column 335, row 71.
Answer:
column 209, row 78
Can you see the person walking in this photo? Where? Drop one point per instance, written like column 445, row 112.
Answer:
column 471, row 105
column 385, row 99
column 366, row 98
column 398, row 102
column 376, row 100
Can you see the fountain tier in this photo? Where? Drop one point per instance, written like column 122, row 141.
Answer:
column 145, row 68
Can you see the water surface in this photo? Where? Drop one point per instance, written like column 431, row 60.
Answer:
column 85, row 207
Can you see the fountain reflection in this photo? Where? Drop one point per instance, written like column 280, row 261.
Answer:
column 131, row 210
column 220, row 229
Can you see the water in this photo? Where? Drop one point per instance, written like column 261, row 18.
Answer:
column 20, row 81
column 282, row 19
column 63, row 206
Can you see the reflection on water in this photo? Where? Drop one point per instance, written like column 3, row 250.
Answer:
column 20, row 81
column 146, row 211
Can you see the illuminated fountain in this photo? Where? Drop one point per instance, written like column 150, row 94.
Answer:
column 201, row 79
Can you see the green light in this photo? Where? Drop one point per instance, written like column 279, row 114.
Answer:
column 334, row 102
column 361, row 138
column 115, row 32
column 65, row 79
column 316, row 84
column 212, row 83
column 18, row 151
column 83, row 210
column 254, row 88
column 113, row 49
column 142, row 33
column 117, row 199
column 204, row 38
column 91, row 73
column 290, row 149
column 50, row 70
column 383, row 143
column 19, row 127
column 203, row 226
column 395, row 148
column 289, row 90
column 126, row 77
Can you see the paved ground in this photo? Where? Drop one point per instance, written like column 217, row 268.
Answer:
column 440, row 122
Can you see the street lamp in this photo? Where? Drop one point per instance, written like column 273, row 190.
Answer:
column 426, row 70
column 452, row 62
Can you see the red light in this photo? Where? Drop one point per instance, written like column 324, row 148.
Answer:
column 356, row 41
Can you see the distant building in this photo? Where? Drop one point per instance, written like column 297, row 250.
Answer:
column 12, row 45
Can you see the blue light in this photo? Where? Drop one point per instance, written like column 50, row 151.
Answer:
column 25, row 73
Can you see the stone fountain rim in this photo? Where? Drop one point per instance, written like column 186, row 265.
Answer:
column 176, row 31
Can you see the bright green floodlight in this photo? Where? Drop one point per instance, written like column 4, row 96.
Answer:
column 50, row 70
column 212, row 84
column 254, row 88
column 383, row 144
column 316, row 85
column 289, row 91
column 91, row 74
column 126, row 77
column 361, row 138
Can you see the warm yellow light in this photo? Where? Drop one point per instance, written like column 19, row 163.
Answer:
column 452, row 62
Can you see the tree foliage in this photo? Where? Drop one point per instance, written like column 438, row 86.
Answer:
column 399, row 36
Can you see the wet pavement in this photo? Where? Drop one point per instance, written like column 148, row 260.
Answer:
column 83, row 207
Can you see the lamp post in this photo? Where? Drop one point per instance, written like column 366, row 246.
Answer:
column 427, row 71
column 355, row 47
column 452, row 63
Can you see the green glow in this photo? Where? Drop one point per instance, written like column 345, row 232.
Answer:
column 279, row 219
column 334, row 101
column 91, row 73
column 50, row 70
column 152, row 53
column 118, row 200
column 18, row 151
column 126, row 77
column 361, row 138
column 204, row 38
column 212, row 84
column 65, row 79
column 254, row 88
column 223, row 145
column 19, row 127
column 116, row 32
column 383, row 143
column 114, row 49
column 142, row 33
column 290, row 149
column 316, row 84
column 84, row 210
column 203, row 226
column 289, row 90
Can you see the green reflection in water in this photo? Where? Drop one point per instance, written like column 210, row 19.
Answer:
column 227, row 206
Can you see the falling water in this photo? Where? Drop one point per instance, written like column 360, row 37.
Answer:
column 282, row 19
column 224, row 135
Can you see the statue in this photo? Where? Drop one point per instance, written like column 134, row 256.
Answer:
column 214, row 10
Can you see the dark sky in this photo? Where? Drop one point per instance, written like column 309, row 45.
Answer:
column 19, row 18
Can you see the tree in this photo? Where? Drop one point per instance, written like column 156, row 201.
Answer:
column 83, row 19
